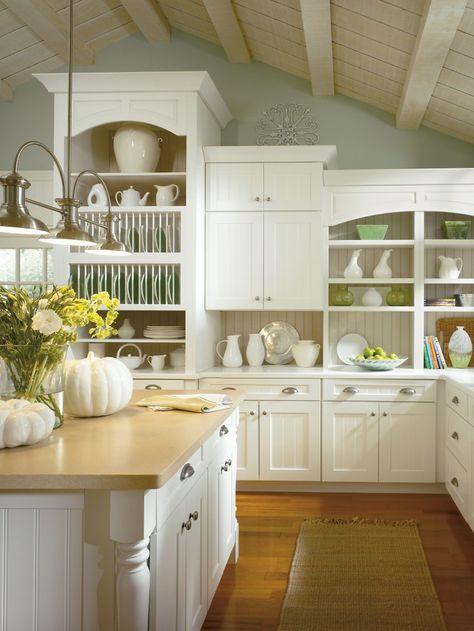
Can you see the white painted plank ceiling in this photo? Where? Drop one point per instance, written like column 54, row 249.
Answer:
column 376, row 46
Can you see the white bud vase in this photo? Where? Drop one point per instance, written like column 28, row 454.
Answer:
column 383, row 269
column 126, row 331
column 255, row 351
column 372, row 298
column 353, row 269
column 305, row 353
column 460, row 348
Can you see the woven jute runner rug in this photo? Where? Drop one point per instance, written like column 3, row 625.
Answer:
column 360, row 575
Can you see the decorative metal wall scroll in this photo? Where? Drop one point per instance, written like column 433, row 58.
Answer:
column 290, row 124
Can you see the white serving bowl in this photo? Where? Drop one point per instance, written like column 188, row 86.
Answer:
column 378, row 364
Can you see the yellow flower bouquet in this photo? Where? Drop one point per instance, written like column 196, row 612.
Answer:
column 35, row 330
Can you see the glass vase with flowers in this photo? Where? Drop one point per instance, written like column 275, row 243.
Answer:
column 36, row 328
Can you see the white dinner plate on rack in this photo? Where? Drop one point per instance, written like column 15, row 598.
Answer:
column 350, row 345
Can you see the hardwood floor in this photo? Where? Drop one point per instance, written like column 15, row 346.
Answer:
column 250, row 594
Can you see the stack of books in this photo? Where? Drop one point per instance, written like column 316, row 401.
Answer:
column 433, row 354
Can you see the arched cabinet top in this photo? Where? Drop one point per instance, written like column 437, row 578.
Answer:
column 158, row 98
column 355, row 194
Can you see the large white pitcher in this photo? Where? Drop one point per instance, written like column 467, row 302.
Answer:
column 166, row 195
column 232, row 357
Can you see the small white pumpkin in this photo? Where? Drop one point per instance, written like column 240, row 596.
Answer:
column 96, row 386
column 24, row 423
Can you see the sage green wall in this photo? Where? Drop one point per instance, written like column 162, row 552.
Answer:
column 365, row 136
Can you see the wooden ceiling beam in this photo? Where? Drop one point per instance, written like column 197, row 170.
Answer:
column 46, row 24
column 438, row 26
column 150, row 19
column 316, row 16
column 221, row 13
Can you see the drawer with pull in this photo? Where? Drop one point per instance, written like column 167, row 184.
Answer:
column 270, row 389
column 152, row 385
column 457, row 483
column 378, row 390
column 457, row 435
column 457, row 399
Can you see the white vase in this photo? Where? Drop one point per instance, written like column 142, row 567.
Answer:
column 372, row 298
column 232, row 357
column 137, row 148
column 305, row 353
column 126, row 331
column 353, row 269
column 255, row 351
column 383, row 269
column 460, row 348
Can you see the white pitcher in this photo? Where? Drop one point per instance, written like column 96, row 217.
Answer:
column 449, row 268
column 255, row 351
column 232, row 357
column 166, row 195
column 305, row 353
column 97, row 197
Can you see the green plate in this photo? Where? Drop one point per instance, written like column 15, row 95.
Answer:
column 160, row 240
column 174, row 289
column 146, row 289
column 133, row 239
column 133, row 289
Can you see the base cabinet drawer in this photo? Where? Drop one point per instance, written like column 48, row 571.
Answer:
column 268, row 389
column 158, row 384
column 457, row 400
column 457, row 483
column 458, row 433
column 378, row 390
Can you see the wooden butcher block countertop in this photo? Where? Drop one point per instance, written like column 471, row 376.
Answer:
column 135, row 448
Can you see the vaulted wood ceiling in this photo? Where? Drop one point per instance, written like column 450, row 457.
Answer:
column 412, row 58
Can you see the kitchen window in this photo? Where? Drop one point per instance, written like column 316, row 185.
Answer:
column 26, row 266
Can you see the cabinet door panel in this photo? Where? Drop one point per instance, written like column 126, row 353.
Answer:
column 350, row 442
column 289, row 440
column 196, row 556
column 234, row 186
column 247, row 442
column 292, row 260
column 407, row 448
column 234, row 266
column 292, row 185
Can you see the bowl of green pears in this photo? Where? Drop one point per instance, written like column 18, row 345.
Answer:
column 377, row 359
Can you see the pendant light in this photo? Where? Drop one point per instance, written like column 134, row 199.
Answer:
column 15, row 218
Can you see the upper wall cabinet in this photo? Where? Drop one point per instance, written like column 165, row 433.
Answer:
column 268, row 186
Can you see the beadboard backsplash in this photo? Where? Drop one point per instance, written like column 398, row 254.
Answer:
column 309, row 325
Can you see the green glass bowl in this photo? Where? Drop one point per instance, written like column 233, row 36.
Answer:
column 372, row 232
column 456, row 229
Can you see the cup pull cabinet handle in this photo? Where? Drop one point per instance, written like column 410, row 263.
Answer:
column 455, row 436
column 454, row 482
column 351, row 390
column 223, row 431
column 186, row 472
column 290, row 390
column 228, row 388
column 455, row 400
column 153, row 386
column 410, row 391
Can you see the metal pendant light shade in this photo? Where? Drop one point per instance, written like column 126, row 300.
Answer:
column 71, row 233
column 15, row 218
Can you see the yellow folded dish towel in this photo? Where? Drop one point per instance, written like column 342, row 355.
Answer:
column 187, row 402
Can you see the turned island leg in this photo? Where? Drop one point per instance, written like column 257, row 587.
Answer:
column 132, row 520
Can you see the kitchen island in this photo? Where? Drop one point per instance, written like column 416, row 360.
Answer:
column 118, row 486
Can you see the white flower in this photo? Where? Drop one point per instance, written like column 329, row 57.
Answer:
column 42, row 304
column 46, row 322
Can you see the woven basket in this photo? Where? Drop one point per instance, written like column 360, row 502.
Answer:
column 445, row 327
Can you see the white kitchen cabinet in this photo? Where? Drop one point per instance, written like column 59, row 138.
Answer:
column 264, row 261
column 221, row 504
column 248, row 441
column 289, row 440
column 349, row 436
column 179, row 562
column 378, row 442
column 279, row 429
column 251, row 186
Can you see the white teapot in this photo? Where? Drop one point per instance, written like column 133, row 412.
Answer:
column 130, row 197
column 449, row 268
column 166, row 195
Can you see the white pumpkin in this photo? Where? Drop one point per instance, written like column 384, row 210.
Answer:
column 24, row 423
column 96, row 386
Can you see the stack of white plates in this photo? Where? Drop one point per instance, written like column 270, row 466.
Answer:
column 174, row 332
